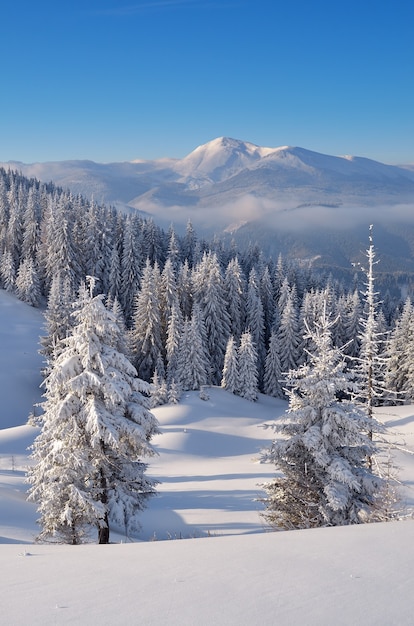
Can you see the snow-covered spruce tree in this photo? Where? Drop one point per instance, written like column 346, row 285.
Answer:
column 59, row 318
column 174, row 329
column 247, row 376
column 399, row 371
column 114, row 275
column 272, row 373
column 234, row 286
column 255, row 321
column 209, row 295
column 192, row 365
column 145, row 336
column 7, row 271
column 229, row 380
column 159, row 392
column 130, row 259
column 324, row 452
column 370, row 368
column 288, row 337
column 95, row 430
column 28, row 283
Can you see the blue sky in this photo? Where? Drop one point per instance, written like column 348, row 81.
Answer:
column 116, row 80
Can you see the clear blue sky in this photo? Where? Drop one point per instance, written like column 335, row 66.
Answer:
column 113, row 80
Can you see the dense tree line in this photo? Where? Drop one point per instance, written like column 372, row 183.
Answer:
column 167, row 313
column 173, row 292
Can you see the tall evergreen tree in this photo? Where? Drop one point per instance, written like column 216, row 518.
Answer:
column 184, row 286
column 192, row 366
column 230, row 377
column 324, row 453
column 210, row 297
column 248, row 374
column 272, row 385
column 399, row 356
column 370, row 363
column 28, row 283
column 59, row 318
column 266, row 296
column 288, row 336
column 130, row 267
column 96, row 429
column 255, row 321
column 235, row 287
column 174, row 330
column 7, row 271
column 146, row 344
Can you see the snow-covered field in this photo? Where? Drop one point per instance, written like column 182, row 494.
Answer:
column 203, row 556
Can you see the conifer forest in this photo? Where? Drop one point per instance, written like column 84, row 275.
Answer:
column 135, row 316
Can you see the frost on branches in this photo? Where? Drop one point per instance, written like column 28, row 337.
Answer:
column 96, row 429
column 325, row 448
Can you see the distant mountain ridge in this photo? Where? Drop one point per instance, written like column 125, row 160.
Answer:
column 257, row 193
column 224, row 168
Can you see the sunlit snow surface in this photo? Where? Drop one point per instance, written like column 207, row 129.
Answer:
column 226, row 570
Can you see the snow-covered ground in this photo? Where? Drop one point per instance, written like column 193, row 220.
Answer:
column 203, row 556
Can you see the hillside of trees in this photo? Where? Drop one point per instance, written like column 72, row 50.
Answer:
column 134, row 316
column 172, row 293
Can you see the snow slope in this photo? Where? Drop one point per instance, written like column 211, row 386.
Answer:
column 352, row 575
column 228, row 571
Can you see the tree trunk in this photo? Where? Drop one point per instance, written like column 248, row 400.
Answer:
column 104, row 532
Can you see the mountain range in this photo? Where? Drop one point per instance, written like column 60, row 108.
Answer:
column 288, row 199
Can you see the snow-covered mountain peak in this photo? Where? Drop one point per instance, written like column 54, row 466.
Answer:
column 219, row 159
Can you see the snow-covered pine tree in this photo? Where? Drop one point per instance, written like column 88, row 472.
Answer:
column 399, row 353
column 192, row 366
column 229, row 380
column 189, row 244
column 58, row 252
column 114, row 276
column 159, row 394
column 185, row 290
column 31, row 217
column 370, row 363
column 288, row 336
column 146, row 344
column 234, row 286
column 272, row 385
column 131, row 259
column 174, row 329
column 7, row 271
column 14, row 232
column 28, row 283
column 58, row 317
column 247, row 375
column 95, row 431
column 168, row 297
column 353, row 324
column 152, row 242
column 325, row 447
column 209, row 295
column 266, row 296
column 173, row 392
column 255, row 321
column 174, row 251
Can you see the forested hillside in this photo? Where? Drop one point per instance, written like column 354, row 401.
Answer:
column 180, row 299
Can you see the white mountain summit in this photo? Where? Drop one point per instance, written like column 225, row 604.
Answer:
column 219, row 160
